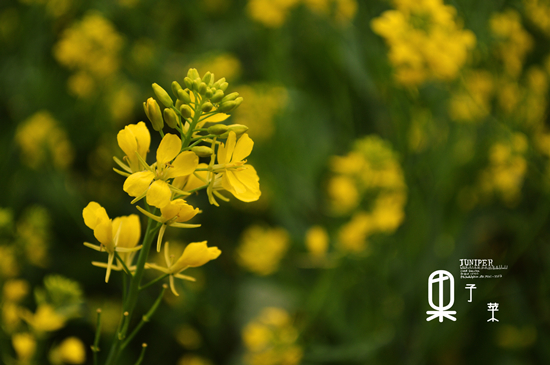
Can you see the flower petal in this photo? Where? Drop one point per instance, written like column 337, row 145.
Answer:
column 159, row 194
column 195, row 254
column 104, row 234
column 138, row 183
column 184, row 164
column 127, row 230
column 143, row 137
column 94, row 214
column 243, row 148
column 169, row 148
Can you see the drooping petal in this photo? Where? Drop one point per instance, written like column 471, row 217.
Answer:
column 249, row 177
column 127, row 142
column 184, row 164
column 143, row 137
column 94, row 214
column 104, row 234
column 195, row 254
column 159, row 194
column 127, row 230
column 138, row 183
column 243, row 148
column 180, row 209
column 243, row 184
column 169, row 148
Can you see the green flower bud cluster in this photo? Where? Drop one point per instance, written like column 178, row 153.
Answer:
column 212, row 93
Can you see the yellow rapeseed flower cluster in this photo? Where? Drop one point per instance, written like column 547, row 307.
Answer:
column 90, row 48
column 195, row 117
column 538, row 12
column 426, row 40
column 262, row 248
column 472, row 103
column 271, row 13
column 43, row 142
column 367, row 184
column 270, row 339
column 506, row 171
column 513, row 41
column 263, row 103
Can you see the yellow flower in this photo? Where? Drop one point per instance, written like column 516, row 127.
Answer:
column 239, row 179
column 173, row 214
column 195, row 254
column 262, row 248
column 134, row 140
column 317, row 241
column 24, row 345
column 152, row 182
column 70, row 351
column 118, row 235
column 45, row 319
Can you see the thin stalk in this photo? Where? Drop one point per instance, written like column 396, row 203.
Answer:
column 153, row 281
column 133, row 291
column 95, row 347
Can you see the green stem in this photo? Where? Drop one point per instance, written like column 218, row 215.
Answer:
column 95, row 347
column 196, row 119
column 145, row 318
column 126, row 270
column 153, row 281
column 133, row 291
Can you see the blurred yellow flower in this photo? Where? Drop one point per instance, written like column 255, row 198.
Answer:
column 513, row 42
column 263, row 102
column 14, row 290
column 24, row 345
column 271, row 339
column 70, row 351
column 426, row 41
column 41, row 141
column 317, row 241
column 191, row 359
column 226, row 64
column 45, row 319
column 262, row 248
column 271, row 13
column 91, row 48
column 473, row 102
column 342, row 11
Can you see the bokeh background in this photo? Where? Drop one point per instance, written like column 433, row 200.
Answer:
column 391, row 139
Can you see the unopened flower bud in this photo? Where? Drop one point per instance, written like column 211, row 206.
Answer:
column 239, row 100
column 218, row 83
column 237, row 128
column 227, row 106
column 188, row 82
column 217, row 129
column 171, row 118
column 230, row 97
column 208, row 93
column 208, row 78
column 217, row 97
column 162, row 95
column 193, row 74
column 196, row 84
column 183, row 95
column 202, row 88
column 202, row 151
column 223, row 86
column 206, row 107
column 152, row 110
column 175, row 88
column 186, row 111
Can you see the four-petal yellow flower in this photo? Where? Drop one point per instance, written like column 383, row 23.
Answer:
column 152, row 182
